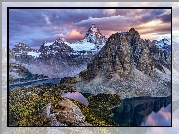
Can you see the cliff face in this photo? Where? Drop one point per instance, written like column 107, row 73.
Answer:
column 124, row 52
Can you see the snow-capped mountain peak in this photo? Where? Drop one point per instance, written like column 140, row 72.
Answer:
column 94, row 35
column 48, row 43
column 164, row 44
column 93, row 41
column 60, row 40
column 95, row 30
column 22, row 47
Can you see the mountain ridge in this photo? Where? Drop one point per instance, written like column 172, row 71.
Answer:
column 123, row 51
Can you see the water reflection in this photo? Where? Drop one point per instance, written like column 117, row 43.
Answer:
column 133, row 111
column 161, row 118
column 76, row 96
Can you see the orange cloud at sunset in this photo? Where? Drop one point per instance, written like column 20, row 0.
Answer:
column 72, row 35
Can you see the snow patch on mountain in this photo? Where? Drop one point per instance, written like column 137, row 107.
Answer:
column 15, row 75
column 34, row 54
column 164, row 44
column 48, row 43
column 86, row 46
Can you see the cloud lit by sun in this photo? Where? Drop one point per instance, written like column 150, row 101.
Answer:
column 34, row 26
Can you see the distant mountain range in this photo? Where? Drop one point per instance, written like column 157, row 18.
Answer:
column 59, row 55
column 92, row 43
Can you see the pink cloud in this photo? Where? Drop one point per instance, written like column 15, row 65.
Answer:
column 72, row 36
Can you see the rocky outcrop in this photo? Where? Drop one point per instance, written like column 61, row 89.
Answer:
column 21, row 47
column 124, row 52
column 71, row 115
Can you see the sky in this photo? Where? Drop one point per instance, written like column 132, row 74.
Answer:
column 34, row 26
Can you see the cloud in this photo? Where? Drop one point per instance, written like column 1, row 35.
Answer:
column 157, row 12
column 47, row 19
column 147, row 18
column 27, row 23
column 109, row 12
column 166, row 17
column 107, row 23
column 72, row 36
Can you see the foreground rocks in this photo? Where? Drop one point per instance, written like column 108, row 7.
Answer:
column 71, row 115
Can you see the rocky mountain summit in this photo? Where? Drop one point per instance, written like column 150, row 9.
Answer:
column 70, row 116
column 58, row 48
column 126, row 56
column 94, row 35
column 125, row 51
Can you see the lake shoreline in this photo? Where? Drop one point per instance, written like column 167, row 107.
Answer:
column 28, row 81
column 55, row 80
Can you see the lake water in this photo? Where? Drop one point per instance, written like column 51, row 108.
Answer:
column 76, row 96
column 137, row 111
column 54, row 81
column 144, row 111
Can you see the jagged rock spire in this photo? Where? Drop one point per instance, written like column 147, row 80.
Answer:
column 94, row 35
